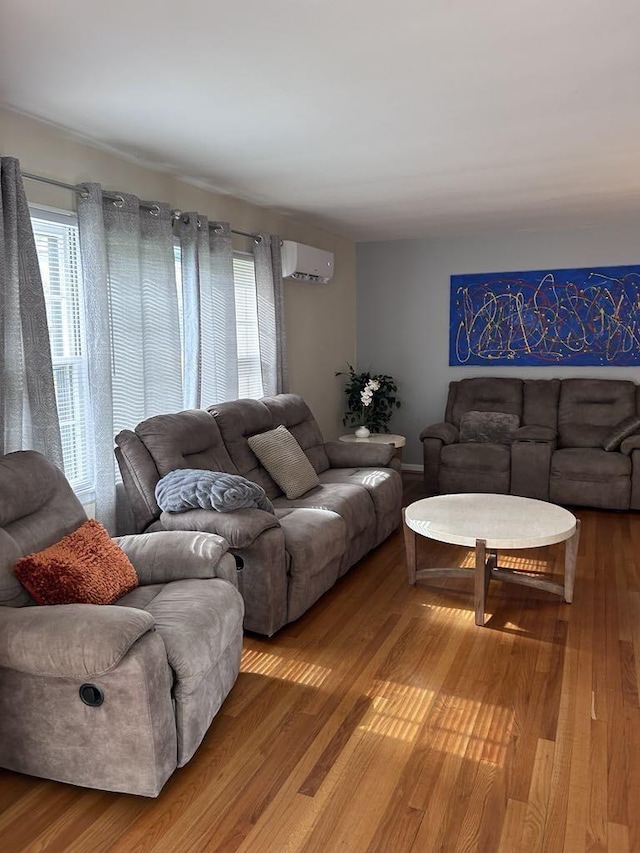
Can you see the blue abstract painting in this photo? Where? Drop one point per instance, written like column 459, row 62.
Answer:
column 546, row 317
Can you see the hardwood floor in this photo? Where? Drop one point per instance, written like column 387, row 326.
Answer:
column 385, row 720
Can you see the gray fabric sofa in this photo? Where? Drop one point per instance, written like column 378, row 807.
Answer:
column 290, row 558
column 165, row 656
column 557, row 452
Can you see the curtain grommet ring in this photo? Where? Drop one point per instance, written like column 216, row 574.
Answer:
column 218, row 229
column 154, row 210
column 118, row 202
column 257, row 240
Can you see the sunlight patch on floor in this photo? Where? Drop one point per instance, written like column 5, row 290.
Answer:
column 300, row 672
column 457, row 725
column 397, row 710
column 467, row 728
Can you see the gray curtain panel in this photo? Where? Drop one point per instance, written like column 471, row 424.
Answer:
column 133, row 327
column 28, row 412
column 271, row 331
column 209, row 310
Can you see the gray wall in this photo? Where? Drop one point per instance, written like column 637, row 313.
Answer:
column 403, row 306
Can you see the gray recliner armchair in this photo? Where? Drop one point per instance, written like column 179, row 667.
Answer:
column 110, row 696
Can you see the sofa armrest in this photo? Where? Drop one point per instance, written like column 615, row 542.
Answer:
column 630, row 444
column 342, row 454
column 69, row 640
column 533, row 432
column 446, row 433
column 164, row 556
column 240, row 528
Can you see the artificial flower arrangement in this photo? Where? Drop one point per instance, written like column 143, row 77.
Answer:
column 371, row 399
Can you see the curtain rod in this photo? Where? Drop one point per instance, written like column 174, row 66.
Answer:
column 177, row 214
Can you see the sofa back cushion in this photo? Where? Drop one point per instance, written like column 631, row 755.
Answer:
column 590, row 408
column 540, row 406
column 237, row 421
column 484, row 394
column 37, row 507
column 291, row 411
column 189, row 439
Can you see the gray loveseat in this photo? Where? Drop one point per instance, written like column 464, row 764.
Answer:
column 290, row 558
column 165, row 656
column 557, row 452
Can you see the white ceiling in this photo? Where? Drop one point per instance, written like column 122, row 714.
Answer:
column 373, row 119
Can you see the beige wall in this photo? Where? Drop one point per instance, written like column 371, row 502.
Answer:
column 320, row 319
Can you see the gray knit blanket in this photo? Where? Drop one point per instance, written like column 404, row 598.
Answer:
column 190, row 488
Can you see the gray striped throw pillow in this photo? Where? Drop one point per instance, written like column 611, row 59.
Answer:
column 285, row 460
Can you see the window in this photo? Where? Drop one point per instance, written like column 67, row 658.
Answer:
column 56, row 236
column 249, row 372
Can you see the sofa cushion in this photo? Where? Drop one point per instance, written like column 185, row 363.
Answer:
column 37, row 507
column 200, row 622
column 84, row 567
column 589, row 409
column 285, row 461
column 291, row 411
column 189, row 439
column 589, row 464
column 626, row 427
column 384, row 485
column 478, row 457
column 488, row 427
column 237, row 421
column 315, row 541
column 197, row 619
column 484, row 394
column 352, row 503
column 590, row 477
column 540, row 403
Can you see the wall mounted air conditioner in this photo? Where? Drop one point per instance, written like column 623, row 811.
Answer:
column 305, row 263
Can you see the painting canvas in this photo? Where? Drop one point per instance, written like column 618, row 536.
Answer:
column 568, row 317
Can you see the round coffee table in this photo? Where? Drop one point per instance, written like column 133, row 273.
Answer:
column 487, row 523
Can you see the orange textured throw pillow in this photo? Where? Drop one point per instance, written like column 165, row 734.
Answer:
column 85, row 567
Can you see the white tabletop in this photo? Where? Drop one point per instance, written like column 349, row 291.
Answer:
column 503, row 521
column 378, row 438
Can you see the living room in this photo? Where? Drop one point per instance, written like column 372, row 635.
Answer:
column 382, row 718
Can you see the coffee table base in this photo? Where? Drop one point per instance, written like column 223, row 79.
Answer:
column 487, row 569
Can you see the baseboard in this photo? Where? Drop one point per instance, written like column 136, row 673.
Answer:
column 408, row 466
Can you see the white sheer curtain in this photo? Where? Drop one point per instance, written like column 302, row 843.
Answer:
column 133, row 331
column 209, row 311
column 28, row 413
column 271, row 331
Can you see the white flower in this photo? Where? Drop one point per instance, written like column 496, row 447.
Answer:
column 366, row 395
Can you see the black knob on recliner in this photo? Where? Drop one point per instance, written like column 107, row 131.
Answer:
column 91, row 695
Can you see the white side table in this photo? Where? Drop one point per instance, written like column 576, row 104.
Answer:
column 398, row 441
